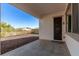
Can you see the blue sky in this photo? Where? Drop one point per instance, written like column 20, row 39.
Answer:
column 17, row 18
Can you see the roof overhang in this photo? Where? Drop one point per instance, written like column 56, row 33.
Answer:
column 40, row 9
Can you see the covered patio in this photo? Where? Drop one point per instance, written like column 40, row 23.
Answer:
column 54, row 38
column 41, row 48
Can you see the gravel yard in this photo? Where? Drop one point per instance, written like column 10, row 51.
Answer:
column 8, row 45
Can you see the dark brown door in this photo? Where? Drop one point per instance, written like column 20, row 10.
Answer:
column 58, row 28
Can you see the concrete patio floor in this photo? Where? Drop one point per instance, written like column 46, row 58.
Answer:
column 40, row 48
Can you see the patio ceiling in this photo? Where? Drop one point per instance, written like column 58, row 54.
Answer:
column 40, row 9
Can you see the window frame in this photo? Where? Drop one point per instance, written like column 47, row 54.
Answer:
column 70, row 6
column 68, row 24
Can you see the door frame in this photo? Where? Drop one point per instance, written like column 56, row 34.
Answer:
column 61, row 28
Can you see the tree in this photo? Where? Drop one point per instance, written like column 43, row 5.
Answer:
column 5, row 28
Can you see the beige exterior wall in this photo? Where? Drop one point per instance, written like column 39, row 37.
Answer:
column 78, row 16
column 72, row 44
column 46, row 32
column 46, row 26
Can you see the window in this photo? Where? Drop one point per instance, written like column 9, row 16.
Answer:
column 72, row 19
column 69, row 23
column 68, row 19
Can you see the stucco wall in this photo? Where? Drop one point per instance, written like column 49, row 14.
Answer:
column 46, row 26
column 78, row 16
column 73, row 45
column 72, row 41
column 46, row 32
